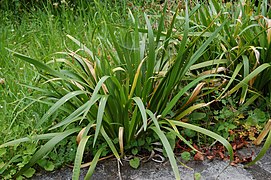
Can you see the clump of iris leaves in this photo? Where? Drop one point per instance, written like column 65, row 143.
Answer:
column 136, row 81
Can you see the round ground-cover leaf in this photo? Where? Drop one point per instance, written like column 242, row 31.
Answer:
column 197, row 176
column 135, row 162
column 29, row 172
column 185, row 156
column 46, row 164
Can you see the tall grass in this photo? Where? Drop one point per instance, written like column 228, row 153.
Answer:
column 38, row 33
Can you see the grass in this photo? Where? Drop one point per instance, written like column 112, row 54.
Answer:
column 37, row 34
column 124, row 76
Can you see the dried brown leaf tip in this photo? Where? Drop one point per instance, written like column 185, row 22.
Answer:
column 80, row 135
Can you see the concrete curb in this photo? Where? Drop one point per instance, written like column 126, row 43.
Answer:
column 209, row 170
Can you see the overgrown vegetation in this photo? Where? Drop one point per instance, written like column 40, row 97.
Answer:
column 98, row 80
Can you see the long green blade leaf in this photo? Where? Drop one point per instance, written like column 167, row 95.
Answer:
column 78, row 112
column 263, row 151
column 142, row 111
column 100, row 117
column 208, row 133
column 166, row 145
column 176, row 98
column 38, row 64
column 59, row 103
column 254, row 73
column 78, row 158
column 93, row 164
column 110, row 143
column 25, row 139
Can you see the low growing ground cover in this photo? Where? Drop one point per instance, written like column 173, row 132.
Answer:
column 89, row 80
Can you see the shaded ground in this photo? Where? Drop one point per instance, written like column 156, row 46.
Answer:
column 209, row 170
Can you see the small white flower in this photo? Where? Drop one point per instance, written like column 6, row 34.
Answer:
column 55, row 4
column 2, row 81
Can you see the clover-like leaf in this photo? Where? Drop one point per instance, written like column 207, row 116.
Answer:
column 134, row 163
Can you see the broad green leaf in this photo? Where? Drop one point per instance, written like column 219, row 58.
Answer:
column 191, row 109
column 33, row 138
column 246, row 72
column 82, row 46
column 93, row 164
column 176, row 98
column 151, row 55
column 78, row 112
column 168, row 150
column 142, row 111
column 49, row 166
column 263, row 151
column 208, row 133
column 235, row 73
column 254, row 73
column 59, row 103
column 46, row 164
column 185, row 156
column 208, row 63
column 197, row 116
column 78, row 157
column 110, row 143
column 38, row 64
column 100, row 117
column 166, row 144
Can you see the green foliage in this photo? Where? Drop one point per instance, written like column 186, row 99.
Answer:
column 99, row 78
column 135, row 162
column 47, row 165
column 256, row 117
column 185, row 156
column 127, row 83
column 263, row 151
column 29, row 172
column 197, row 176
